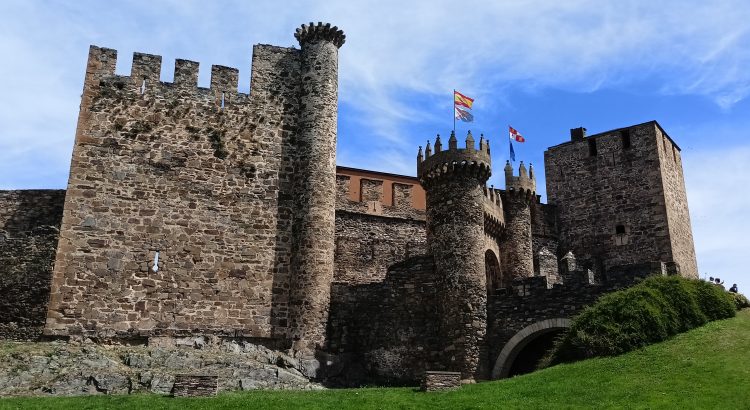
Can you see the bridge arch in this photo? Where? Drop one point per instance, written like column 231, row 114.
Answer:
column 521, row 340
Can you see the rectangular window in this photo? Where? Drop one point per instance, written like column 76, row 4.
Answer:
column 625, row 134
column 592, row 147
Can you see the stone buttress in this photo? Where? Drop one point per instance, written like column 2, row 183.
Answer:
column 315, row 186
column 454, row 183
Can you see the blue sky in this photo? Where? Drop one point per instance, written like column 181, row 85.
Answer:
column 541, row 66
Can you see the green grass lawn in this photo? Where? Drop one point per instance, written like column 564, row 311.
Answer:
column 706, row 368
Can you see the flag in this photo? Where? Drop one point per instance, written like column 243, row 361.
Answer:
column 463, row 115
column 462, row 100
column 512, row 153
column 514, row 135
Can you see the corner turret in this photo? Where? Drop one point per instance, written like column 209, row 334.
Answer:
column 518, row 198
column 526, row 180
column 312, row 268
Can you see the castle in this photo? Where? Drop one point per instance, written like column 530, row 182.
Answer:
column 204, row 211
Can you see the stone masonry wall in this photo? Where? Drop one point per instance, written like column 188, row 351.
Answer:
column 370, row 236
column 388, row 331
column 597, row 184
column 530, row 301
column 544, row 241
column 678, row 215
column 201, row 176
column 29, row 227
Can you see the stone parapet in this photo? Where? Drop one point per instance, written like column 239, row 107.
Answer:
column 494, row 216
column 466, row 161
column 320, row 32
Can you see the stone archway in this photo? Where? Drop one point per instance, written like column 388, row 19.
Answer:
column 521, row 340
column 493, row 272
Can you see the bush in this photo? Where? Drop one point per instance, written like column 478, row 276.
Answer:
column 649, row 312
column 740, row 301
column 714, row 301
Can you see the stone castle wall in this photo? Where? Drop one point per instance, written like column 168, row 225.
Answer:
column 29, row 229
column 675, row 197
column 544, row 241
column 388, row 330
column 604, row 181
column 201, row 176
column 371, row 236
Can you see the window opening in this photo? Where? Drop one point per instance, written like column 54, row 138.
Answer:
column 592, row 147
column 620, row 229
column 625, row 134
column 143, row 87
column 155, row 268
column 223, row 101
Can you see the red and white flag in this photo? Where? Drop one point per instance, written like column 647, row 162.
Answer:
column 515, row 135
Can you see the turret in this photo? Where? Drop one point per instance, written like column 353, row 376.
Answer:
column 315, row 186
column 454, row 182
column 525, row 179
column 516, row 241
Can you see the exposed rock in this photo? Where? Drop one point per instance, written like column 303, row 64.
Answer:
column 57, row 368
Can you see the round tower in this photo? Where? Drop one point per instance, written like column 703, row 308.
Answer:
column 516, row 243
column 315, row 186
column 454, row 182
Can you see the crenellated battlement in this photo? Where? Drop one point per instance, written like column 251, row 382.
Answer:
column 494, row 217
column 454, row 160
column 312, row 32
column 144, row 78
column 525, row 181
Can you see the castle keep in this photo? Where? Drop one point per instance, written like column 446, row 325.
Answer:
column 204, row 211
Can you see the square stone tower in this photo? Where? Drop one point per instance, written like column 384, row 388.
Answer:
column 621, row 198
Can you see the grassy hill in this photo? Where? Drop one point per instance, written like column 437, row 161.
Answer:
column 705, row 368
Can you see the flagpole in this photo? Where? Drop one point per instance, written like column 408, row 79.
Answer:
column 454, row 110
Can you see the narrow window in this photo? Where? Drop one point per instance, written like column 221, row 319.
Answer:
column 223, row 101
column 621, row 235
column 143, row 87
column 625, row 134
column 592, row 147
column 155, row 268
column 674, row 154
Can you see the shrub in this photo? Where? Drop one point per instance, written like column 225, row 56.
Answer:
column 714, row 301
column 740, row 301
column 649, row 312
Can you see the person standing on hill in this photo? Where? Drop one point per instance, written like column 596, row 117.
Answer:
column 734, row 289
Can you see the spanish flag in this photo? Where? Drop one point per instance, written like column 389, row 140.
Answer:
column 462, row 100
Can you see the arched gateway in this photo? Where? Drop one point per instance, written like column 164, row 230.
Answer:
column 526, row 337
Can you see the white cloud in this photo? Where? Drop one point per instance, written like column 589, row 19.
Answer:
column 398, row 67
column 716, row 181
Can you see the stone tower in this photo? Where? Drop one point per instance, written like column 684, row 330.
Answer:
column 315, row 186
column 516, row 242
column 621, row 199
column 454, row 183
